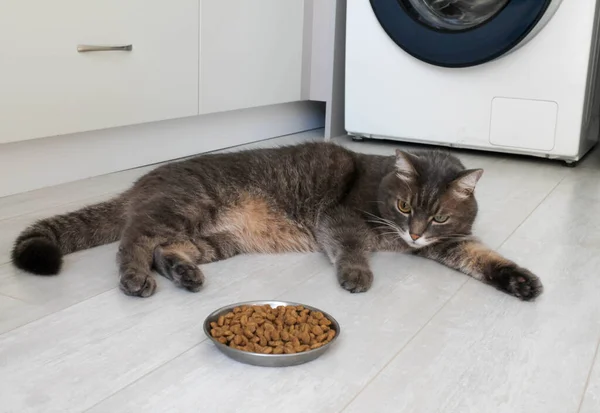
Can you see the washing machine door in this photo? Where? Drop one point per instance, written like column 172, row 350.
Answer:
column 461, row 33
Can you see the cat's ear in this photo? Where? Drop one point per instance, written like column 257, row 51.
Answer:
column 464, row 185
column 405, row 168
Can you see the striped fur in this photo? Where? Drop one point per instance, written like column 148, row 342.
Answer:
column 39, row 249
column 311, row 197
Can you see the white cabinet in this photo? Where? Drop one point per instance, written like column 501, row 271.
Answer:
column 48, row 88
column 250, row 53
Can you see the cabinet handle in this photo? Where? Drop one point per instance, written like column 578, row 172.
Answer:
column 83, row 48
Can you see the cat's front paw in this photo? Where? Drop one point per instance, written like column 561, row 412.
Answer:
column 356, row 279
column 518, row 282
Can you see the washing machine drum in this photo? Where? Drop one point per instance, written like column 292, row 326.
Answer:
column 460, row 33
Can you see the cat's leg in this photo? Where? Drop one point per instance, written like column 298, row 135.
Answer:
column 216, row 247
column 347, row 240
column 475, row 259
column 135, row 261
column 150, row 224
column 178, row 261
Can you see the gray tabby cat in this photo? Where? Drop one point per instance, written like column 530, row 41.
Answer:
column 310, row 197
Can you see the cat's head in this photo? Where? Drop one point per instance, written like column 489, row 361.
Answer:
column 428, row 197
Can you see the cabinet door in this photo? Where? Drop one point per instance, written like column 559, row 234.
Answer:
column 251, row 53
column 48, row 88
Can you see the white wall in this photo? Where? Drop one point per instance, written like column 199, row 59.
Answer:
column 37, row 163
column 327, row 60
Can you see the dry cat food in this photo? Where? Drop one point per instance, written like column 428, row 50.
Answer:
column 266, row 330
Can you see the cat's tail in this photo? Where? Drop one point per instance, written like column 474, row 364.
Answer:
column 40, row 247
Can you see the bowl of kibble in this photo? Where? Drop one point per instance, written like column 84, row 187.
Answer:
column 271, row 333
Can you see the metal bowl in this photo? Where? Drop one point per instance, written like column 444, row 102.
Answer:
column 269, row 360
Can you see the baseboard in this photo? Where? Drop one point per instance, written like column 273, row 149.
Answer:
column 38, row 163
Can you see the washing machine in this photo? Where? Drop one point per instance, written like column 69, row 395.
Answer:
column 516, row 76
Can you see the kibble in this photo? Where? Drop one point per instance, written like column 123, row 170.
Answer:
column 266, row 330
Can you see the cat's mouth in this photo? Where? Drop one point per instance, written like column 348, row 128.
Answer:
column 415, row 244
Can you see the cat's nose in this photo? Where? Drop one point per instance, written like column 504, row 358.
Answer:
column 415, row 237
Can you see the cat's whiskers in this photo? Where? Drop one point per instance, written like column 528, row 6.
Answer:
column 373, row 215
column 379, row 220
column 388, row 232
column 391, row 233
column 385, row 224
column 395, row 230
column 451, row 237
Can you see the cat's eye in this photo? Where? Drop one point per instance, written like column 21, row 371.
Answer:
column 404, row 207
column 440, row 219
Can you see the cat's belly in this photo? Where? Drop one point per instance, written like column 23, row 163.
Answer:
column 257, row 227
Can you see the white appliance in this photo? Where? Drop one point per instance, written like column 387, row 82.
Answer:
column 515, row 76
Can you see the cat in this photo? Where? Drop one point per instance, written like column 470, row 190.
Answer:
column 304, row 198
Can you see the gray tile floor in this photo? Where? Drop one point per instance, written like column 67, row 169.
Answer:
column 423, row 339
